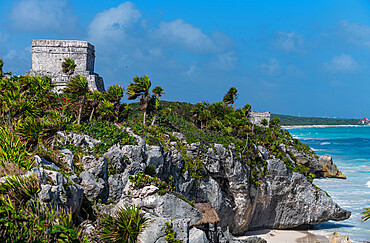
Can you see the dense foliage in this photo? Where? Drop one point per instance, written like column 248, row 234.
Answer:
column 286, row 120
column 32, row 114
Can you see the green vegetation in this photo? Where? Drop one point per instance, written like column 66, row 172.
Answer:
column 286, row 120
column 125, row 226
column 68, row 66
column 365, row 214
column 32, row 114
column 24, row 219
column 171, row 234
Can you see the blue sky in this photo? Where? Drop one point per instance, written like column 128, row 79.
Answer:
column 289, row 57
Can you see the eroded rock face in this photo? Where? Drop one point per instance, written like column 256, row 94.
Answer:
column 338, row 238
column 281, row 200
column 322, row 166
column 287, row 200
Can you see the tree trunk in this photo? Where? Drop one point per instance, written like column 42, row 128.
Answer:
column 144, row 117
column 154, row 118
column 92, row 114
column 80, row 110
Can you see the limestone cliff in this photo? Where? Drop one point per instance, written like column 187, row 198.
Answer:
column 281, row 199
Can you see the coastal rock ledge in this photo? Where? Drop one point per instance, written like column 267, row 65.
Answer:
column 280, row 199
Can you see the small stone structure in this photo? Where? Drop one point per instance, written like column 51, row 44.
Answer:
column 256, row 117
column 48, row 56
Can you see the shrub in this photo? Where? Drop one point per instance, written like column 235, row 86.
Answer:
column 25, row 219
column 13, row 150
column 124, row 226
column 171, row 234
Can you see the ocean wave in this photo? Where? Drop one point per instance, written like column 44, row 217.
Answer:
column 324, row 143
column 368, row 184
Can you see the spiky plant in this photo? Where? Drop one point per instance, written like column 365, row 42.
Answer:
column 13, row 150
column 68, row 66
column 140, row 88
column 365, row 214
column 124, row 226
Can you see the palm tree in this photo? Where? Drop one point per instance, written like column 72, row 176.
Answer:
column 140, row 88
column 114, row 95
column 231, row 96
column 2, row 74
column 365, row 214
column 77, row 90
column 94, row 97
column 68, row 66
column 155, row 101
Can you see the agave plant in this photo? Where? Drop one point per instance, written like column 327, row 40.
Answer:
column 24, row 219
column 125, row 226
column 140, row 88
column 13, row 150
column 77, row 90
column 68, row 66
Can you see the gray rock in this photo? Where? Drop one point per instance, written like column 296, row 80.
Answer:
column 91, row 142
column 116, row 158
column 74, row 199
column 115, row 185
column 155, row 158
column 178, row 135
column 67, row 157
column 93, row 190
column 44, row 163
column 264, row 152
column 287, row 200
column 169, row 206
column 97, row 166
column 154, row 232
column 252, row 239
column 54, row 177
column 45, row 195
column 197, row 236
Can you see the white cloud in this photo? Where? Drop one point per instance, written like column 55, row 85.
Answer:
column 342, row 63
column 113, row 24
column 225, row 61
column 190, row 38
column 272, row 67
column 355, row 33
column 289, row 42
column 43, row 16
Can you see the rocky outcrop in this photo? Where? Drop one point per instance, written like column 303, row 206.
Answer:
column 338, row 238
column 281, row 199
column 322, row 166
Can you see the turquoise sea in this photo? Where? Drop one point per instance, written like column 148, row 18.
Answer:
column 350, row 148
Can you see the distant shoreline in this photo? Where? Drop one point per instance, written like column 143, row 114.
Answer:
column 321, row 126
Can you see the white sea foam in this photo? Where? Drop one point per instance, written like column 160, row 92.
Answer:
column 324, row 143
column 368, row 184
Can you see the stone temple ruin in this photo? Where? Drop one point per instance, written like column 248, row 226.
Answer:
column 48, row 56
column 256, row 117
